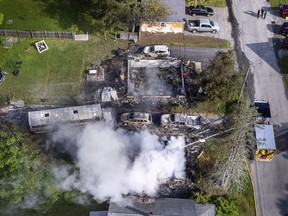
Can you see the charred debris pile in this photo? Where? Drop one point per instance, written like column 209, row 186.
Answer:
column 146, row 84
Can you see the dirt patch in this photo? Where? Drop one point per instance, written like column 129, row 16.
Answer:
column 181, row 39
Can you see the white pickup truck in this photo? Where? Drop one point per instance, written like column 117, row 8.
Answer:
column 202, row 25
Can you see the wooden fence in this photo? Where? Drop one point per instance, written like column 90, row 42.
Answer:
column 37, row 34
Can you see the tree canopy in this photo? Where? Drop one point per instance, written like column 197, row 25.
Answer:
column 225, row 206
column 124, row 13
column 26, row 181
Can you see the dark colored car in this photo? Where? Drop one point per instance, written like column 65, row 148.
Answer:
column 199, row 10
column 285, row 42
column 284, row 29
column 283, row 10
column 263, row 107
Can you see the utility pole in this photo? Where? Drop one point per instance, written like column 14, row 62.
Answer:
column 204, row 139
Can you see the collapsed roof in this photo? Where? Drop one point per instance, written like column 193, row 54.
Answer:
column 157, row 77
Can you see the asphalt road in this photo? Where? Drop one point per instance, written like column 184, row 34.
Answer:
column 262, row 46
column 203, row 55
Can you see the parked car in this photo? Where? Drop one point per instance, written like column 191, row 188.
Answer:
column 157, row 51
column 284, row 29
column 199, row 10
column 202, row 25
column 285, row 42
column 135, row 119
column 283, row 10
column 179, row 120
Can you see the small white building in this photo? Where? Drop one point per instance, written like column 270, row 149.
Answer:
column 172, row 23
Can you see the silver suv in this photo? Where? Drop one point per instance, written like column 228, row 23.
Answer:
column 179, row 120
column 135, row 119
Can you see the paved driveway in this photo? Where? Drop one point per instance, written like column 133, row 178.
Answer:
column 220, row 16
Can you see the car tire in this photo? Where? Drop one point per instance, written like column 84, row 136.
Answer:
column 193, row 14
column 194, row 31
column 208, row 15
column 214, row 31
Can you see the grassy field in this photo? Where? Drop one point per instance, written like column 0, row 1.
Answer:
column 275, row 3
column 184, row 40
column 212, row 3
column 246, row 202
column 41, row 15
column 55, row 74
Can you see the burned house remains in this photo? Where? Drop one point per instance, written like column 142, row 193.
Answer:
column 160, row 79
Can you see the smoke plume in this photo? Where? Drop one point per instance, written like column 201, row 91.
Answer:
column 115, row 163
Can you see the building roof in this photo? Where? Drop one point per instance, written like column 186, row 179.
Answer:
column 205, row 210
column 177, row 8
column 98, row 213
column 265, row 136
column 162, row 207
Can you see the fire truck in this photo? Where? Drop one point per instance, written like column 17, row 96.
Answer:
column 265, row 139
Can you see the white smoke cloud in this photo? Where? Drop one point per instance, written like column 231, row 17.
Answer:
column 114, row 163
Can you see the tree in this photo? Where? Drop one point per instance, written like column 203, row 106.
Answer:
column 222, row 81
column 152, row 10
column 25, row 177
column 225, row 206
column 116, row 14
column 231, row 173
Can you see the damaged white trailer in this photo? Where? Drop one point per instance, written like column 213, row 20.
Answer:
column 42, row 121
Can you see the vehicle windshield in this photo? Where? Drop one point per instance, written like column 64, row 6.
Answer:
column 212, row 23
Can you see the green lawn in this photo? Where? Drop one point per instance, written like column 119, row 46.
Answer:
column 55, row 74
column 275, row 3
column 212, row 3
column 246, row 201
column 66, row 208
column 47, row 15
